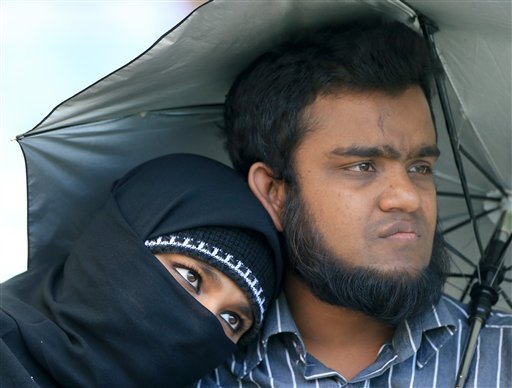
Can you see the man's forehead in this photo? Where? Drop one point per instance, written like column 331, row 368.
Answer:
column 375, row 116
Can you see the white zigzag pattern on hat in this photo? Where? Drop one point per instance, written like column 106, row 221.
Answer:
column 219, row 255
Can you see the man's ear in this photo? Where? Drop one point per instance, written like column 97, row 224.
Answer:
column 269, row 191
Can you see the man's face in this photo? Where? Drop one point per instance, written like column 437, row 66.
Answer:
column 365, row 175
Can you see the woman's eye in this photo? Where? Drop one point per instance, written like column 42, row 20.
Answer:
column 232, row 320
column 190, row 277
column 362, row 167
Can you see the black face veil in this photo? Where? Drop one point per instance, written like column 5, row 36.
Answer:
column 111, row 314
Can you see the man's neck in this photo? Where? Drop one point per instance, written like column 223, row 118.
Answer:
column 342, row 339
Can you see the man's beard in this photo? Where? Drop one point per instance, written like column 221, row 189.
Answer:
column 389, row 297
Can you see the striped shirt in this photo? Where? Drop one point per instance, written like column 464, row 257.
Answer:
column 425, row 352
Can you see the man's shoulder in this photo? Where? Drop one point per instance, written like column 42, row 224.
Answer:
column 498, row 319
column 464, row 308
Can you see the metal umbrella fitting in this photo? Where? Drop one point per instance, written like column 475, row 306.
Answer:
column 169, row 99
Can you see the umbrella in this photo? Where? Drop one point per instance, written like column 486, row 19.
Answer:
column 169, row 99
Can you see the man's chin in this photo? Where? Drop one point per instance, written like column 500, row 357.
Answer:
column 393, row 261
column 406, row 271
column 389, row 297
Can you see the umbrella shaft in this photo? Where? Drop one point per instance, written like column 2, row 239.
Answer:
column 469, row 351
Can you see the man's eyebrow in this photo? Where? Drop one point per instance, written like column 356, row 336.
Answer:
column 426, row 151
column 366, row 152
column 385, row 151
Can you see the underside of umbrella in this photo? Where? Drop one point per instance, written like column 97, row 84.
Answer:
column 169, row 99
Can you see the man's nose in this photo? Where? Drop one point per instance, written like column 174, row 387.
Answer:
column 399, row 193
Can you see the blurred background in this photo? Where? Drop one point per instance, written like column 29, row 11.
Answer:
column 49, row 51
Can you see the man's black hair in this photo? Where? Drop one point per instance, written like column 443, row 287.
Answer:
column 264, row 109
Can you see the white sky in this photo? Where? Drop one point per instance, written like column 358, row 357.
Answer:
column 49, row 50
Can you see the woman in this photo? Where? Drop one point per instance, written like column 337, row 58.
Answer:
column 114, row 314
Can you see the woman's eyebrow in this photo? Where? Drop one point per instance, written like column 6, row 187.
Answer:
column 207, row 271
column 245, row 310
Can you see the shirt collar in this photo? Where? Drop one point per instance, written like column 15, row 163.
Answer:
column 423, row 334
column 278, row 320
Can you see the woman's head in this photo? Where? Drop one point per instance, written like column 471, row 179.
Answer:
column 230, row 271
column 188, row 206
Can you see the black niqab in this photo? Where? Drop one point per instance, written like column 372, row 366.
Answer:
column 112, row 315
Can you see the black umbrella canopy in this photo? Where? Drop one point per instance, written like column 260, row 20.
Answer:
column 169, row 99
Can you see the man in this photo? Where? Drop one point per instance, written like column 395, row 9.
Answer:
column 335, row 135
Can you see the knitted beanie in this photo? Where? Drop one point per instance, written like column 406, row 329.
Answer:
column 242, row 254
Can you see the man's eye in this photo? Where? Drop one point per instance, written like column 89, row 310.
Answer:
column 362, row 167
column 190, row 276
column 421, row 169
column 233, row 320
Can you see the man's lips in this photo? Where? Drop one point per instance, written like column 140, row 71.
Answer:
column 402, row 230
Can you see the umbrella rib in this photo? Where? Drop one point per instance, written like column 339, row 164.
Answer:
column 501, row 259
column 472, row 196
column 455, row 286
column 460, row 255
column 475, row 163
column 467, row 261
column 468, row 220
column 446, row 177
column 505, row 298
column 469, row 286
column 468, row 277
column 454, row 140
column 459, row 275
